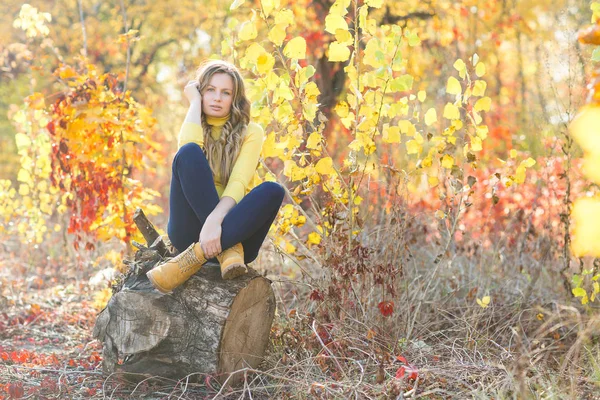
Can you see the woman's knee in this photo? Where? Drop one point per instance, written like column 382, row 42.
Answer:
column 189, row 151
column 275, row 191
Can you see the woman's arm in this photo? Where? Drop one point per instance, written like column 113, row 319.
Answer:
column 191, row 129
column 210, row 236
column 192, row 93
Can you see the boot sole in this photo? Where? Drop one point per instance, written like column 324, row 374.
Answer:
column 233, row 271
column 155, row 283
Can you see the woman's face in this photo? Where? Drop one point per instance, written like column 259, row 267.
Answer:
column 218, row 95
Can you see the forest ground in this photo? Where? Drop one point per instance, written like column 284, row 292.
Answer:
column 531, row 341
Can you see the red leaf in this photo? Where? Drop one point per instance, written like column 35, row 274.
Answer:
column 316, row 295
column 386, row 308
column 15, row 390
column 410, row 372
column 402, row 359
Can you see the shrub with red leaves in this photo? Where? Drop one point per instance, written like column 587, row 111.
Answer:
column 386, row 308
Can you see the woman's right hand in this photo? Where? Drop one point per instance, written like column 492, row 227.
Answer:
column 192, row 93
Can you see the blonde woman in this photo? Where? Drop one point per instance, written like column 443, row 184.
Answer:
column 211, row 212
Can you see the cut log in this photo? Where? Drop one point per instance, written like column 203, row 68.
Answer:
column 206, row 326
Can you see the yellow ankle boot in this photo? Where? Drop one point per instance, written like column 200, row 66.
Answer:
column 232, row 262
column 178, row 269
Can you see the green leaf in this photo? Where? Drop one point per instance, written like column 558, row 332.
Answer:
column 402, row 83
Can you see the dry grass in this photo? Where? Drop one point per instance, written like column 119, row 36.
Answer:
column 532, row 341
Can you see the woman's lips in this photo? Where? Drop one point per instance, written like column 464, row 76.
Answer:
column 215, row 107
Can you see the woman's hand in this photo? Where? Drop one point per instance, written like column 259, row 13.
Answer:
column 210, row 238
column 192, row 93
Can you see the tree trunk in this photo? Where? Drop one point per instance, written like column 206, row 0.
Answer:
column 206, row 326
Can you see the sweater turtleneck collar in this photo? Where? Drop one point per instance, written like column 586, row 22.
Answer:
column 217, row 121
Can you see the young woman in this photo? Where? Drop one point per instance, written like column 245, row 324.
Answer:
column 212, row 214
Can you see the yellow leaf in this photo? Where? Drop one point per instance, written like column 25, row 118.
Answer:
column 476, row 143
column 342, row 109
column 585, row 129
column 269, row 148
column 530, row 162
column 277, row 34
column 413, row 147
column 440, row 214
column 23, row 141
column 325, row 166
column 268, row 6
column 483, row 104
column 304, row 75
column 407, row 127
column 284, row 17
column 293, row 171
column 343, row 36
column 23, row 189
column 314, row 140
column 338, row 52
column 447, row 161
column 453, row 86
column 479, row 88
column 309, row 110
column 520, row 174
column 433, row 181
column 430, row 116
column 484, row 301
column 591, row 167
column 421, row 95
column 248, row 31
column 513, row 153
column 295, row 48
column 311, row 90
column 314, row 238
column 36, row 101
column 391, row 134
column 333, row 22
column 264, row 63
column 289, row 248
column 340, row 7
column 451, row 111
column 461, row 67
column 373, row 54
column 24, row 176
column 374, row 3
column 480, row 69
column 482, row 131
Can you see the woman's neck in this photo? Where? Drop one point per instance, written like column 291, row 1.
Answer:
column 217, row 121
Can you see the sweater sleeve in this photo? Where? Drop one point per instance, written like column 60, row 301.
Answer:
column 190, row 132
column 245, row 164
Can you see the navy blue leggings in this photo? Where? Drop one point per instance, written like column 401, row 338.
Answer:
column 194, row 196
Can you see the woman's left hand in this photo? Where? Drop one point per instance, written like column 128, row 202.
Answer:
column 210, row 238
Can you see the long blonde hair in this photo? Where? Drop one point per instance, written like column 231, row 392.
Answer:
column 222, row 152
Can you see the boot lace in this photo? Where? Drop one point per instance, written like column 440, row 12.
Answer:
column 187, row 259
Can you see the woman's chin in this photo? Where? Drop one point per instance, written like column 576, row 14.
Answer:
column 215, row 113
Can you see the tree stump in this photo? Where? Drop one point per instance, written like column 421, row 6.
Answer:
column 206, row 326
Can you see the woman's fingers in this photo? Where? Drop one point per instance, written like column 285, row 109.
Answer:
column 211, row 249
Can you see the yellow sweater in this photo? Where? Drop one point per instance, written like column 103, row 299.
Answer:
column 246, row 162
